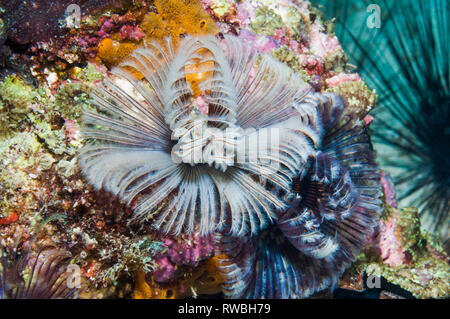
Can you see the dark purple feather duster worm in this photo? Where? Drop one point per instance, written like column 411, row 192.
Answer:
column 326, row 225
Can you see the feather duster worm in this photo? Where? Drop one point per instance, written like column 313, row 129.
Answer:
column 43, row 276
column 192, row 155
column 325, row 225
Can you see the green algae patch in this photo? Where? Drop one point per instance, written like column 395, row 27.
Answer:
column 266, row 21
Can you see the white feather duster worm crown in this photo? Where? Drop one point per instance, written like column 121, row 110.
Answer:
column 216, row 137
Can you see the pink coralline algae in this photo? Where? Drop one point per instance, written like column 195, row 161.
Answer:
column 321, row 43
column 368, row 119
column 182, row 252
column 124, row 27
column 283, row 37
column 391, row 248
column 262, row 44
column 128, row 32
column 294, row 46
column 388, row 189
column 121, row 26
column 245, row 14
column 202, row 104
column 342, row 78
column 311, row 64
column 71, row 130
